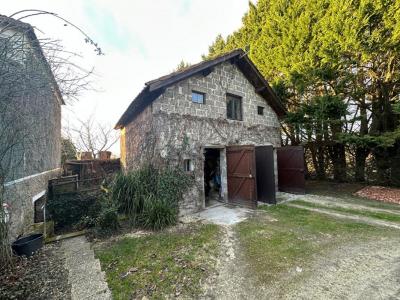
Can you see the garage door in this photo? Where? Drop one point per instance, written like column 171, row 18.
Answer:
column 241, row 172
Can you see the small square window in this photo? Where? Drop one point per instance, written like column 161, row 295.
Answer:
column 188, row 165
column 198, row 97
column 260, row 110
column 234, row 107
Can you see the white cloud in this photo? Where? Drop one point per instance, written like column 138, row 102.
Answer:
column 159, row 34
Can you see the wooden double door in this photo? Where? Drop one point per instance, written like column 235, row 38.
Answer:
column 250, row 172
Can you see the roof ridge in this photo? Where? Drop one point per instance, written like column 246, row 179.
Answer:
column 191, row 67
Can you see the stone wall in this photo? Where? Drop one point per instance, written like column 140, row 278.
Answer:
column 136, row 133
column 174, row 128
column 226, row 78
column 20, row 196
column 198, row 133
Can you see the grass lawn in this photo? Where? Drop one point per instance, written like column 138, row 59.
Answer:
column 166, row 263
column 282, row 238
column 375, row 215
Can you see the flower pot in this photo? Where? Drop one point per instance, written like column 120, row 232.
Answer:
column 28, row 245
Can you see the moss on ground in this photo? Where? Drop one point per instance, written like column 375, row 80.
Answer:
column 161, row 264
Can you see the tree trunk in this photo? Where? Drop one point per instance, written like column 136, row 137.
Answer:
column 362, row 152
column 361, row 156
column 321, row 173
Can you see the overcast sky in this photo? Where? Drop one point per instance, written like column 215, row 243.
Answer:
column 142, row 40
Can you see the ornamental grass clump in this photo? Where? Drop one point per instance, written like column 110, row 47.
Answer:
column 150, row 196
column 158, row 213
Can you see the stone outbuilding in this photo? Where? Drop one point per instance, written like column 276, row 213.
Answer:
column 218, row 120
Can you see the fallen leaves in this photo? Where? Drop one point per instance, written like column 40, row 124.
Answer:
column 380, row 193
column 129, row 272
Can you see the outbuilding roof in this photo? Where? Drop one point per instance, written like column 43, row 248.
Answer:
column 156, row 87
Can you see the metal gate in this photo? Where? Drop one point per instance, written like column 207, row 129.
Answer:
column 241, row 172
column 265, row 174
column 291, row 169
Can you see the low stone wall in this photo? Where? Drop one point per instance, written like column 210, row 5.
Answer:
column 20, row 194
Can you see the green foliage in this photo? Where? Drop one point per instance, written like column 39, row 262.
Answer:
column 107, row 220
column 158, row 213
column 68, row 209
column 84, row 210
column 385, row 140
column 182, row 65
column 68, row 150
column 336, row 67
column 150, row 196
column 130, row 190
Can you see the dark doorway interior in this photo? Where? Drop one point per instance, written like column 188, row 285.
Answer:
column 212, row 176
column 265, row 174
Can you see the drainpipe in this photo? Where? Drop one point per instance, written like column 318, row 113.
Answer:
column 44, row 219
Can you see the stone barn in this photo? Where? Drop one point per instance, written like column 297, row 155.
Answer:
column 218, row 120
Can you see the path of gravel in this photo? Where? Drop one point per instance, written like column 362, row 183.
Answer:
column 42, row 276
column 84, row 270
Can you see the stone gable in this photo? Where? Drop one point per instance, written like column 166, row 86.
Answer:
column 226, row 78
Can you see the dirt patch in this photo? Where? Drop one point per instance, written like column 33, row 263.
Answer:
column 380, row 193
column 41, row 276
column 231, row 279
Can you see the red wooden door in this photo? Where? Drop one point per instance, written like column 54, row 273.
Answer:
column 241, row 171
column 291, row 169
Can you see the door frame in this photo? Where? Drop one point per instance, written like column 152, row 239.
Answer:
column 222, row 165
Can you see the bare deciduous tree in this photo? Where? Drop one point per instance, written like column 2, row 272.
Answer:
column 89, row 135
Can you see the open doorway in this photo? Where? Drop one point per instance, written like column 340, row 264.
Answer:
column 212, row 176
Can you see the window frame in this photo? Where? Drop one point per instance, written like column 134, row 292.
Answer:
column 198, row 93
column 236, row 98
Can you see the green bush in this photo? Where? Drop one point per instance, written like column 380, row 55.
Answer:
column 85, row 222
column 108, row 218
column 158, row 213
column 69, row 209
column 150, row 196
column 84, row 210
